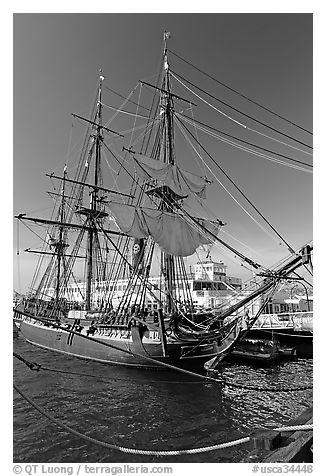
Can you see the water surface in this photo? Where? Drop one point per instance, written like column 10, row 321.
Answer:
column 159, row 410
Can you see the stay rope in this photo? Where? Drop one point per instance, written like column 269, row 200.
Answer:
column 223, row 186
column 240, row 94
column 242, row 193
column 245, row 126
column 247, row 149
column 211, row 128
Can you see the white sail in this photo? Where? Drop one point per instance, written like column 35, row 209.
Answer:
column 180, row 181
column 171, row 232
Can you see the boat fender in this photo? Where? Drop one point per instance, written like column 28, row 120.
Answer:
column 168, row 331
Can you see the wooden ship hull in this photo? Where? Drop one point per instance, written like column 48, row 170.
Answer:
column 128, row 347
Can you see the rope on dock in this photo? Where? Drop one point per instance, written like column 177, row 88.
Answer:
column 295, row 428
column 124, row 449
column 35, row 366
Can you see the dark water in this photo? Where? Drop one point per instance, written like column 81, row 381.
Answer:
column 145, row 409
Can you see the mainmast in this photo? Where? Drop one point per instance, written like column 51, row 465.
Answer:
column 169, row 157
column 94, row 196
column 168, row 105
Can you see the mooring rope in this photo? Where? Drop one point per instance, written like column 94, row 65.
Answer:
column 124, row 449
column 37, row 367
column 295, row 428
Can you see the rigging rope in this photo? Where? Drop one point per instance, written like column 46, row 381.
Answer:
column 124, row 112
column 201, row 164
column 224, row 187
column 263, row 107
column 246, row 149
column 241, row 94
column 123, row 97
column 195, row 121
column 124, row 449
column 238, row 122
column 240, row 191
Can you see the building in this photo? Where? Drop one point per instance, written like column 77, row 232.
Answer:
column 208, row 285
column 286, row 301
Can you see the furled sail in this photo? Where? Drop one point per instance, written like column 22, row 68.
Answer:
column 171, row 232
column 180, row 181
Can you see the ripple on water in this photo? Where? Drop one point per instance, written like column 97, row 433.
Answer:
column 145, row 409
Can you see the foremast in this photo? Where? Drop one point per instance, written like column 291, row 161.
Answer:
column 88, row 183
column 61, row 245
column 94, row 213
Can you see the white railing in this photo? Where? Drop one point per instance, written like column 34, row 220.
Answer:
column 282, row 320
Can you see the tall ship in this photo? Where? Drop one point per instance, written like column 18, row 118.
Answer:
column 118, row 220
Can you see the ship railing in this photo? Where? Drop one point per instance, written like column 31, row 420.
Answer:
column 281, row 320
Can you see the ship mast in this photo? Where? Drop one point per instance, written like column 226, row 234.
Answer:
column 94, row 196
column 61, row 244
column 169, row 157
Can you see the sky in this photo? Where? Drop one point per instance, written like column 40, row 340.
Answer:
column 267, row 57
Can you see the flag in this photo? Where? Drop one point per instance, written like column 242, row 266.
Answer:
column 138, row 254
